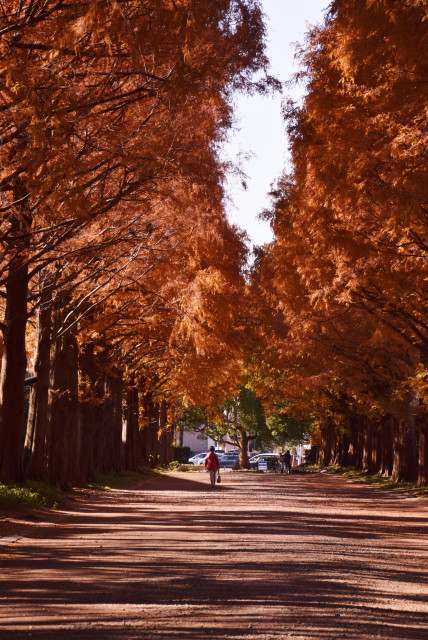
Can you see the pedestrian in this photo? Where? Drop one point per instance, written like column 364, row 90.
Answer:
column 287, row 461
column 212, row 464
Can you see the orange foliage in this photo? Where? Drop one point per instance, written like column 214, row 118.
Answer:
column 348, row 269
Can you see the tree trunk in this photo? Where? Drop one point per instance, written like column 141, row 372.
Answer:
column 376, row 461
column 244, row 461
column 149, row 433
column 353, row 439
column 35, row 443
column 343, row 449
column 64, row 434
column 131, row 443
column 386, row 445
column 326, row 454
column 13, row 369
column 422, row 424
column 112, row 416
column 367, row 442
column 405, row 453
column 165, row 436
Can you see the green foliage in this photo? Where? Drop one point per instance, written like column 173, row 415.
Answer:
column 244, row 411
column 36, row 495
column 171, row 466
column 287, row 429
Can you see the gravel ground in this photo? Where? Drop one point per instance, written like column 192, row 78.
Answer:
column 262, row 556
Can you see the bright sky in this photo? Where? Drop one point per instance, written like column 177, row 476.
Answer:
column 261, row 128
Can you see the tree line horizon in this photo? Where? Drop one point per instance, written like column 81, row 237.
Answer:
column 125, row 292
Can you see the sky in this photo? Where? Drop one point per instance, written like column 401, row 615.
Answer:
column 261, row 131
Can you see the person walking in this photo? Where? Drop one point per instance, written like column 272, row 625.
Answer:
column 212, row 464
column 287, row 462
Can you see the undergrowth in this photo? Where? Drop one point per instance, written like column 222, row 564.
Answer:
column 171, row 466
column 123, row 480
column 36, row 495
column 384, row 482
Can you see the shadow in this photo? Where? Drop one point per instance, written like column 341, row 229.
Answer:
column 171, row 559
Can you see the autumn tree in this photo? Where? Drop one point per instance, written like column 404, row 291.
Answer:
column 349, row 261
column 99, row 111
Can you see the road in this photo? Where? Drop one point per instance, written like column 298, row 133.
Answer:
column 262, row 556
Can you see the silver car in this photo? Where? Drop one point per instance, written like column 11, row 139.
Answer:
column 198, row 458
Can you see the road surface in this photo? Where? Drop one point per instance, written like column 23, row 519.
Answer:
column 261, row 557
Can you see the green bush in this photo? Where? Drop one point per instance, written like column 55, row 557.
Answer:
column 35, row 495
column 171, row 466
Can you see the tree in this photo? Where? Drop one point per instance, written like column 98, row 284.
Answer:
column 237, row 420
column 348, row 266
column 108, row 108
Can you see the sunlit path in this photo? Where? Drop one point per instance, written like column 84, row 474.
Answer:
column 263, row 556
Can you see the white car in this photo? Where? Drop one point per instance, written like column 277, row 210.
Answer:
column 198, row 458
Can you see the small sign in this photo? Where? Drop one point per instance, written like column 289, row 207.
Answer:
column 262, row 465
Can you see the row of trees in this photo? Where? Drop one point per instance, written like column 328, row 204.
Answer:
column 122, row 285
column 119, row 275
column 343, row 288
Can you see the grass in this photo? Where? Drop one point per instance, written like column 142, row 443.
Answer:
column 38, row 495
column 32, row 494
column 384, row 482
column 123, row 480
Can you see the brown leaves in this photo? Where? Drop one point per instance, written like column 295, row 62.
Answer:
column 350, row 262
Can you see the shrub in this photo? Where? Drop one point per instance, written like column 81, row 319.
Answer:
column 35, row 495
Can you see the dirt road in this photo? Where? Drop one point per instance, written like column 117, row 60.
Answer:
column 263, row 557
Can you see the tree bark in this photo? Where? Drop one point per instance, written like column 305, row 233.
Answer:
column 367, row 442
column 165, row 436
column 131, row 442
column 386, row 445
column 327, row 448
column 13, row 366
column 112, row 417
column 64, row 434
column 244, row 461
column 422, row 424
column 353, row 439
column 405, row 453
column 149, row 433
column 89, row 411
column 35, row 443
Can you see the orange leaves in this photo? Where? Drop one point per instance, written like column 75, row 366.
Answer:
column 111, row 113
column 349, row 265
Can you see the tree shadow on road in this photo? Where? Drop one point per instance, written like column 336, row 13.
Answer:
column 147, row 563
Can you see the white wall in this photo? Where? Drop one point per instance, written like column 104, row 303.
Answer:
column 191, row 440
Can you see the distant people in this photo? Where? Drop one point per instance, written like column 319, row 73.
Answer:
column 212, row 464
column 287, row 461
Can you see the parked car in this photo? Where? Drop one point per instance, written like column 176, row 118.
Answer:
column 198, row 458
column 262, row 457
column 227, row 461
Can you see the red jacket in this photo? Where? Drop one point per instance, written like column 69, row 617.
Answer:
column 212, row 462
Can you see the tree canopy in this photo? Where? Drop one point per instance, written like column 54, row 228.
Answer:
column 124, row 289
